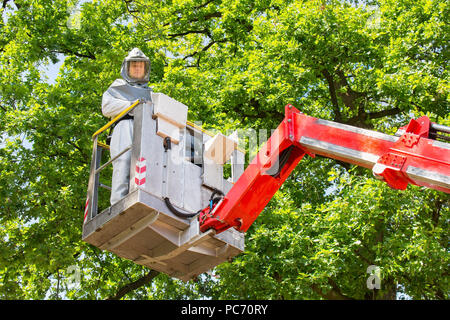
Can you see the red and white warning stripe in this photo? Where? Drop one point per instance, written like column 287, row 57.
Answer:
column 141, row 168
column 86, row 210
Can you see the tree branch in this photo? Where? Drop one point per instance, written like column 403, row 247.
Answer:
column 203, row 4
column 174, row 35
column 333, row 294
column 204, row 49
column 206, row 17
column 332, row 89
column 77, row 54
column 63, row 50
column 366, row 260
column 383, row 113
column 350, row 96
column 134, row 285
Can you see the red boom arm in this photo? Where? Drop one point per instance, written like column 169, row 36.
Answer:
column 411, row 158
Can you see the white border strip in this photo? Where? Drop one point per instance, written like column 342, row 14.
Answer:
column 441, row 144
column 369, row 133
column 428, row 176
column 333, row 149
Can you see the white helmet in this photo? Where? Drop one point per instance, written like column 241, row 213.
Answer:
column 135, row 55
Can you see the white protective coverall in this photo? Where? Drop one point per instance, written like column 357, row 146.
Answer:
column 119, row 96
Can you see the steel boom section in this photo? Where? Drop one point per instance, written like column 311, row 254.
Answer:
column 409, row 159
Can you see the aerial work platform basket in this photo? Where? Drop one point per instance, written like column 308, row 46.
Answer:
column 174, row 169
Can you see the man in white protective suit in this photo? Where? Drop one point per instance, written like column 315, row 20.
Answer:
column 120, row 95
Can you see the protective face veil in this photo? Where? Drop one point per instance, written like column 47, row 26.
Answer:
column 136, row 67
column 123, row 92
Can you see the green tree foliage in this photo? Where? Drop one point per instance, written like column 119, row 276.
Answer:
column 235, row 63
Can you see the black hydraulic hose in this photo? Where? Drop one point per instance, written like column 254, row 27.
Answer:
column 216, row 191
column 282, row 159
column 167, row 146
column 177, row 212
column 216, row 200
column 213, row 200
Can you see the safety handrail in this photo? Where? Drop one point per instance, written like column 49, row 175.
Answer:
column 103, row 145
column 193, row 125
column 117, row 118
